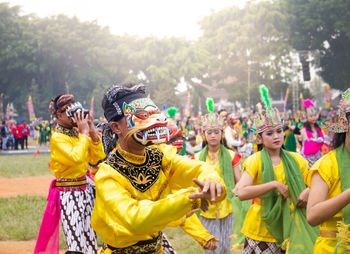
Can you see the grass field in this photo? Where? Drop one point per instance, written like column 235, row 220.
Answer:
column 24, row 165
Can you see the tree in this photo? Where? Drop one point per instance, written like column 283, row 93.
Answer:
column 323, row 27
column 249, row 41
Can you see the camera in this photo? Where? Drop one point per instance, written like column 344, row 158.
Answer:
column 75, row 108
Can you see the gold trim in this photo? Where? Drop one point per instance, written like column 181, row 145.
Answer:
column 64, row 184
column 133, row 158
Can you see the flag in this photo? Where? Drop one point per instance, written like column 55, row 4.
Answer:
column 286, row 100
column 302, row 106
column 8, row 112
column 328, row 96
column 30, row 109
column 92, row 106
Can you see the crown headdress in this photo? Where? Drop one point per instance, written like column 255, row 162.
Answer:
column 268, row 118
column 340, row 123
column 212, row 119
column 309, row 107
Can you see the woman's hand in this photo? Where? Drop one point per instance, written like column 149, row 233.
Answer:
column 303, row 197
column 281, row 188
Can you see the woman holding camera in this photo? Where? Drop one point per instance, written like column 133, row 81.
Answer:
column 74, row 145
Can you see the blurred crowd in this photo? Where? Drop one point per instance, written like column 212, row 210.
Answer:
column 17, row 135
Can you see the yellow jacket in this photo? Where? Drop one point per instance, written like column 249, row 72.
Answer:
column 135, row 197
column 71, row 152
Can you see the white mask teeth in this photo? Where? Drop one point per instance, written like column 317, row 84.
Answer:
column 145, row 136
column 157, row 132
column 168, row 133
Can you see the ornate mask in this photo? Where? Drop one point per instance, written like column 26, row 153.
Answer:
column 176, row 139
column 146, row 123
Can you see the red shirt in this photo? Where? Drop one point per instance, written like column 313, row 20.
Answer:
column 25, row 130
column 17, row 131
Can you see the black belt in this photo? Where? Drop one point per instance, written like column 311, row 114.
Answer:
column 140, row 243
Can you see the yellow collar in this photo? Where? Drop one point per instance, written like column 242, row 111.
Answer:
column 130, row 157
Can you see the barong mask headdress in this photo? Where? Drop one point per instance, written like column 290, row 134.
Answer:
column 175, row 138
column 268, row 118
column 340, row 123
column 212, row 120
column 146, row 124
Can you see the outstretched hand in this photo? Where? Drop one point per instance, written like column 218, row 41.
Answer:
column 208, row 190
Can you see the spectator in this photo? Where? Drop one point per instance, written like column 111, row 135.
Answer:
column 17, row 134
column 3, row 133
column 25, row 133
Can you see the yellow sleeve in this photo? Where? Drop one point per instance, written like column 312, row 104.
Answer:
column 195, row 229
column 181, row 170
column 121, row 210
column 66, row 153
column 303, row 164
column 96, row 152
column 252, row 165
column 325, row 168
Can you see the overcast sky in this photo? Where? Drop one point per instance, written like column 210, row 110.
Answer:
column 135, row 17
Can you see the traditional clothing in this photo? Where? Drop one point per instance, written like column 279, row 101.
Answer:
column 327, row 168
column 273, row 224
column 334, row 168
column 139, row 195
column 218, row 220
column 71, row 196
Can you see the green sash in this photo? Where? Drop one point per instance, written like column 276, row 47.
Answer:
column 291, row 230
column 343, row 160
column 239, row 208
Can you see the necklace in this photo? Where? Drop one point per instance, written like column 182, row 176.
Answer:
column 213, row 157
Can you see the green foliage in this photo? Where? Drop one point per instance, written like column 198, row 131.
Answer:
column 323, row 27
column 13, row 165
column 249, row 41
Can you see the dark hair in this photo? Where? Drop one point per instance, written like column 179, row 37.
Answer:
column 60, row 103
column 339, row 138
column 261, row 146
column 222, row 141
column 307, row 125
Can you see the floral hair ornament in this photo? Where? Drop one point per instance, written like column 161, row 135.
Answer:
column 212, row 119
column 268, row 118
column 340, row 124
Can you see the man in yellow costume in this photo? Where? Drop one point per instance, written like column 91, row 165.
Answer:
column 134, row 186
column 74, row 145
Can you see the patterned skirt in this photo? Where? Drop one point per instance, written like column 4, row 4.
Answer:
column 222, row 229
column 312, row 158
column 77, row 201
column 256, row 247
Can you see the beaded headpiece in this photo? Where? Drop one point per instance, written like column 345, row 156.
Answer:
column 340, row 123
column 286, row 115
column 309, row 107
column 212, row 119
column 268, row 118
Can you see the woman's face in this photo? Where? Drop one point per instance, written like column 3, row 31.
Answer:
column 273, row 138
column 213, row 136
column 312, row 118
